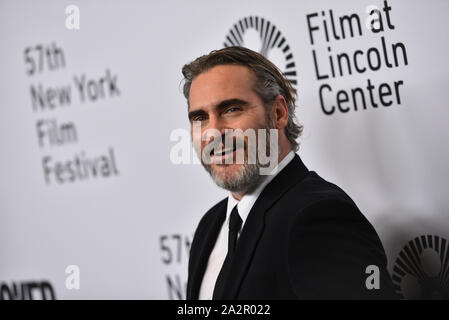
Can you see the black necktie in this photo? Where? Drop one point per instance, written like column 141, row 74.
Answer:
column 235, row 223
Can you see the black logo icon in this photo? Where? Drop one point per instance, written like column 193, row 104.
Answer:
column 421, row 270
column 271, row 43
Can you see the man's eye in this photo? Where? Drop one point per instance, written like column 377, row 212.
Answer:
column 233, row 109
column 199, row 118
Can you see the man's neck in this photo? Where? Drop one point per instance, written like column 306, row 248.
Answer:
column 238, row 196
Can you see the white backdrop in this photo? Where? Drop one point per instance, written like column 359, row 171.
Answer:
column 127, row 230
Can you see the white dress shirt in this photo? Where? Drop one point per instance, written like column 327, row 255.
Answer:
column 220, row 249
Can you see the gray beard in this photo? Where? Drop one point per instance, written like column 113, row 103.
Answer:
column 245, row 181
column 248, row 178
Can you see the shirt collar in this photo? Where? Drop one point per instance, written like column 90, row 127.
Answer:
column 246, row 203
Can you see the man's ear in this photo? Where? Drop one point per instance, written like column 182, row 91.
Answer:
column 280, row 112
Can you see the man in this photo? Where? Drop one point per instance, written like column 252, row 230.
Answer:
column 286, row 235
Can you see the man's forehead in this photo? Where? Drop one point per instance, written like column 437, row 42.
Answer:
column 220, row 83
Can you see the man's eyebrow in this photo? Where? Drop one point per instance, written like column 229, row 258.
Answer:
column 220, row 106
column 231, row 102
column 199, row 112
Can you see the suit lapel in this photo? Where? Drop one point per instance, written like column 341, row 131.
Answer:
column 255, row 222
column 205, row 248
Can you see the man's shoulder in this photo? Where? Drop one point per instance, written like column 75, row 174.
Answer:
column 313, row 189
column 316, row 201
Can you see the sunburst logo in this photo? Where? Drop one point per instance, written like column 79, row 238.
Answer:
column 421, row 270
column 261, row 35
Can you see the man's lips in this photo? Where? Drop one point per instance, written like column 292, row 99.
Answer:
column 222, row 152
column 220, row 156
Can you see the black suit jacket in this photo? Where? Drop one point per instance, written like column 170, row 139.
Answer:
column 304, row 238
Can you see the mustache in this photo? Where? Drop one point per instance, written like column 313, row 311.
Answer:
column 225, row 143
column 229, row 146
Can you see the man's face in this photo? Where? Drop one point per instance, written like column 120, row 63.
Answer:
column 223, row 98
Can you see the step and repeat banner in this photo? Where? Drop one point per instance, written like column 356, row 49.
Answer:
column 98, row 202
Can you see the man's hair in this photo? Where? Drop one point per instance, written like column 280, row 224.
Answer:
column 268, row 85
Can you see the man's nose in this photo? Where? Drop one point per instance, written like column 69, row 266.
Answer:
column 215, row 126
